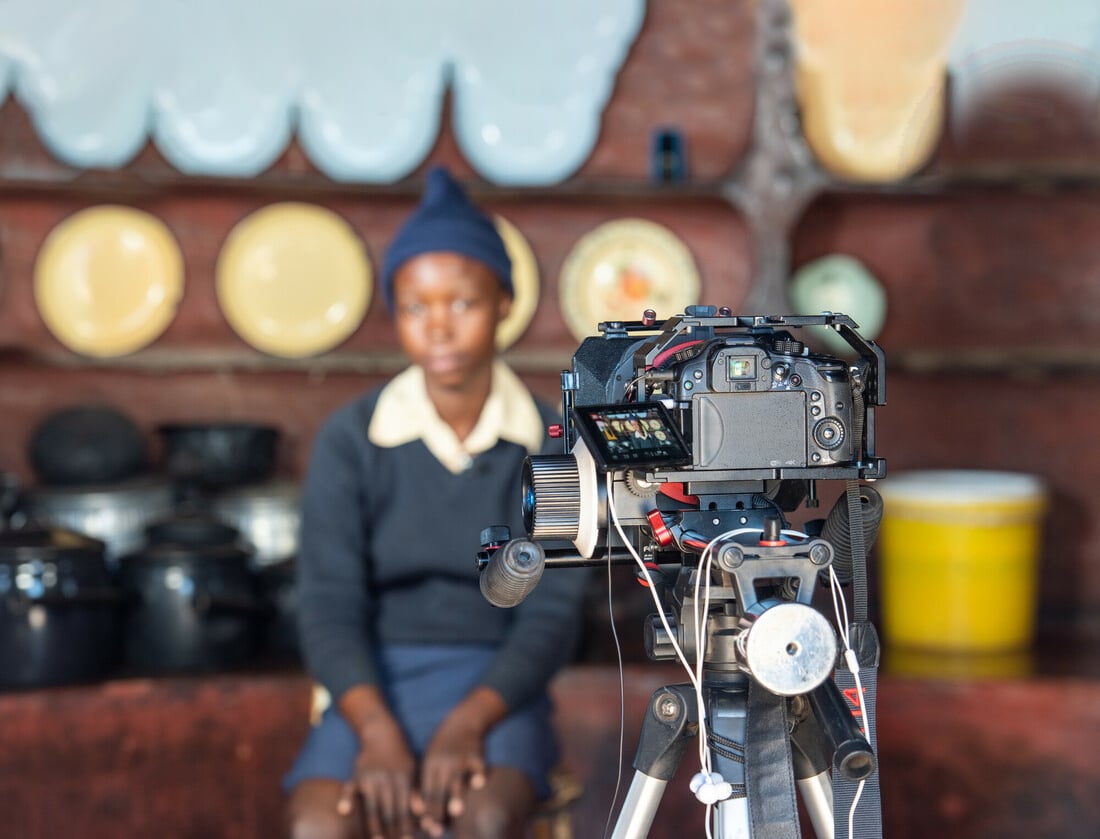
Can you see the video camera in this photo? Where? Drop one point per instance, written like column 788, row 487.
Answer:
column 682, row 432
column 685, row 444
column 727, row 406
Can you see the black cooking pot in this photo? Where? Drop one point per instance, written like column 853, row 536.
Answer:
column 10, row 495
column 60, row 614
column 87, row 444
column 195, row 608
column 279, row 589
column 219, row 454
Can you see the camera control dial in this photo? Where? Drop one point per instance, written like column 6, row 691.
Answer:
column 829, row 433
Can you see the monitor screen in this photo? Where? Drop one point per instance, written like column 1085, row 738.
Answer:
column 631, row 435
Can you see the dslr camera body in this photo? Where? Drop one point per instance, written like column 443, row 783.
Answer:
column 731, row 411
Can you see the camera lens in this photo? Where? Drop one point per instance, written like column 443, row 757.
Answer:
column 551, row 497
column 527, row 501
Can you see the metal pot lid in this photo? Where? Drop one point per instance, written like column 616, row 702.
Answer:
column 193, row 530
column 55, row 543
column 169, row 552
column 286, row 567
column 282, row 494
column 144, row 490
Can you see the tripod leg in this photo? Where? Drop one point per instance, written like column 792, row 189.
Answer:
column 817, row 796
column 810, row 752
column 640, row 807
column 732, row 819
column 670, row 723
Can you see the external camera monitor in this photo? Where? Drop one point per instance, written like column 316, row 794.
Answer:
column 631, row 436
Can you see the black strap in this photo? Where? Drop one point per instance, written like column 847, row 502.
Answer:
column 867, row 821
column 859, row 553
column 769, row 773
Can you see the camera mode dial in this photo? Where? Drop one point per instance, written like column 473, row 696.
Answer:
column 788, row 346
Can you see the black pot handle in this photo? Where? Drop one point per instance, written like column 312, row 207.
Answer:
column 19, row 603
column 208, row 604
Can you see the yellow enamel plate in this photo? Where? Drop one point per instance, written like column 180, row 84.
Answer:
column 294, row 280
column 108, row 280
column 525, row 282
column 621, row 269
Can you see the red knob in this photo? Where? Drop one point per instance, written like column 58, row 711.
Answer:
column 660, row 530
column 556, row 430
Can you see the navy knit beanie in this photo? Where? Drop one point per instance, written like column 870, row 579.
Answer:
column 446, row 220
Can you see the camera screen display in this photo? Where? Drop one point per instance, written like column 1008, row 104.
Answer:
column 631, row 435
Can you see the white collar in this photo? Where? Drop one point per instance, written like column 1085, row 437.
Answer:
column 404, row 413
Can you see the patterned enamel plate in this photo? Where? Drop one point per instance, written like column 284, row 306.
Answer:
column 294, row 280
column 108, row 280
column 525, row 282
column 839, row 283
column 622, row 268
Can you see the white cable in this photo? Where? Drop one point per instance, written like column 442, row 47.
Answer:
column 629, row 385
column 708, row 786
column 840, row 608
column 652, row 587
column 706, row 559
column 702, row 573
column 696, row 683
column 622, row 703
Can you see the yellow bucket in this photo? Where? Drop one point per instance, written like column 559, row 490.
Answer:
column 942, row 665
column 959, row 555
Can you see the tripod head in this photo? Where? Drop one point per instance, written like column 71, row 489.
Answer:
column 742, row 599
column 749, row 598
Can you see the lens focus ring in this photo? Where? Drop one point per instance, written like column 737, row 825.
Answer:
column 551, row 497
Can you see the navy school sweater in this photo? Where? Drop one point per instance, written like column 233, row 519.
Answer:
column 388, row 555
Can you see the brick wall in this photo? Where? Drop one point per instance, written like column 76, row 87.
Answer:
column 988, row 258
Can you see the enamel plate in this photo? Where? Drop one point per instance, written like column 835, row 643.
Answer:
column 525, row 282
column 293, row 280
column 621, row 269
column 839, row 283
column 108, row 280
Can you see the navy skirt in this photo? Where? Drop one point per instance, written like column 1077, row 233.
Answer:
column 422, row 684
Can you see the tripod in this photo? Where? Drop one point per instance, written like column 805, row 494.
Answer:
column 770, row 712
column 763, row 699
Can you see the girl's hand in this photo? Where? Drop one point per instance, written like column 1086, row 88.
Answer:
column 454, row 761
column 384, row 771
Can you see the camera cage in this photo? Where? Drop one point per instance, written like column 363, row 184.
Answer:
column 636, row 361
